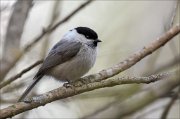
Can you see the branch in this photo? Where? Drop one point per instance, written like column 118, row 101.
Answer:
column 40, row 36
column 64, row 92
column 13, row 78
column 140, row 100
column 14, row 32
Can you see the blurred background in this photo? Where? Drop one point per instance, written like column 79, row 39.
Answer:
column 123, row 26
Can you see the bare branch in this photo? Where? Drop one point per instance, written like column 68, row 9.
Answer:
column 13, row 78
column 14, row 32
column 64, row 92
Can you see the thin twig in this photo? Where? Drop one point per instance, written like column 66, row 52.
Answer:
column 169, row 105
column 13, row 78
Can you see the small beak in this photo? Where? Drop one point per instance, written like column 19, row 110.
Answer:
column 97, row 40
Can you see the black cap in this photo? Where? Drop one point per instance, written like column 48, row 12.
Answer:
column 87, row 32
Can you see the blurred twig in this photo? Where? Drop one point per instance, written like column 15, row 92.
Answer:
column 13, row 78
column 13, row 34
column 169, row 105
column 36, row 39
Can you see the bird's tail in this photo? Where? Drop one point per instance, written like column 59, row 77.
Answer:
column 35, row 81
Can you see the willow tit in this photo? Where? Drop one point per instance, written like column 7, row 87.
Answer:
column 69, row 59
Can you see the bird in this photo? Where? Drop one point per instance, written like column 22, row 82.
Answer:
column 70, row 58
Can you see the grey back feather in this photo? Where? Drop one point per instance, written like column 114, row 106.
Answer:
column 60, row 53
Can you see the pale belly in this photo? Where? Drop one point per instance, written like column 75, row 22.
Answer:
column 76, row 67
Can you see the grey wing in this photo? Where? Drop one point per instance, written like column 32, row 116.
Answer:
column 60, row 53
